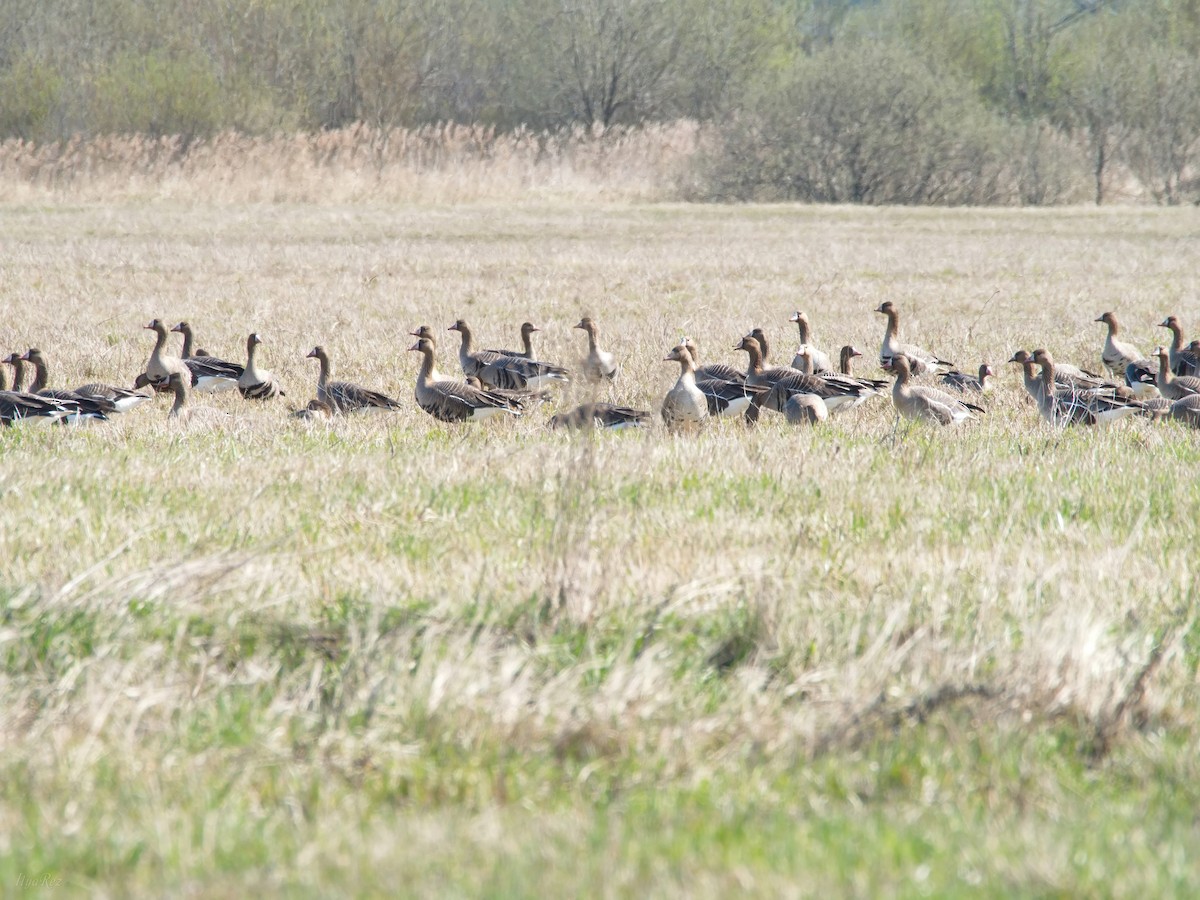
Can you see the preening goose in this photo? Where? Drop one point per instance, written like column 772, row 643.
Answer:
column 926, row 404
column 598, row 365
column 969, row 384
column 921, row 362
column 601, row 415
column 526, row 351
column 1170, row 385
column 255, row 383
column 791, row 381
column 685, row 405
column 817, row 360
column 1063, row 406
column 712, row 371
column 1117, row 354
column 455, row 401
column 512, row 373
column 1184, row 361
column 86, row 407
column 346, row 396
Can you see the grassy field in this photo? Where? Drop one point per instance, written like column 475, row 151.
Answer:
column 389, row 656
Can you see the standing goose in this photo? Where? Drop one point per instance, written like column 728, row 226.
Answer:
column 790, row 381
column 1170, row 385
column 205, row 372
column 523, row 399
column 921, row 362
column 455, row 401
column 86, row 406
column 817, row 360
column 1117, row 354
column 598, row 365
column 511, row 373
column 1063, row 406
column 969, row 384
column 1184, row 361
column 526, row 351
column 161, row 363
column 926, row 404
column 712, row 371
column 685, row 404
column 345, row 396
column 601, row 415
column 255, row 383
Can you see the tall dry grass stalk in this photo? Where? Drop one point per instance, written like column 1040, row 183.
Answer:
column 360, row 163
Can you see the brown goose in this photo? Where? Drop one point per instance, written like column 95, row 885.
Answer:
column 601, row 415
column 1063, row 406
column 727, row 399
column 846, row 354
column 921, row 362
column 1170, row 385
column 791, row 381
column 17, row 406
column 523, row 399
column 712, row 371
column 161, row 363
column 1117, row 354
column 179, row 384
column 685, row 405
column 804, row 409
column 969, row 384
column 255, row 383
column 316, row 410
column 86, row 406
column 926, row 404
column 512, row 373
column 870, row 386
column 455, row 401
column 761, row 336
column 526, row 351
column 598, row 365
column 345, row 396
column 209, row 374
column 1184, row 361
column 1187, row 410
column 424, row 332
column 817, row 360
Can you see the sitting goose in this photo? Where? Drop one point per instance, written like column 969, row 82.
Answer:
column 526, row 352
column 926, row 404
column 180, row 410
column 255, row 383
column 601, row 415
column 921, row 362
column 511, row 373
column 1170, row 385
column 685, row 404
column 1184, row 361
column 817, row 360
column 1187, row 410
column 345, row 396
column 1117, row 354
column 86, row 406
column 316, row 410
column 121, row 399
column 712, row 371
column 18, row 406
column 455, row 401
column 1063, row 406
column 209, row 374
column 791, row 381
column 964, row 383
column 599, row 365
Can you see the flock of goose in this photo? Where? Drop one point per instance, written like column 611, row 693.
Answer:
column 925, row 387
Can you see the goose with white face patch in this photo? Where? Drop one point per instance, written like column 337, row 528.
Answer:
column 455, row 401
column 1116, row 354
column 346, row 396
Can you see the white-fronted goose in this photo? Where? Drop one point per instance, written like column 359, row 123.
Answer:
column 526, row 351
column 599, row 365
column 1187, row 410
column 123, row 399
column 511, row 373
column 969, row 384
column 188, row 340
column 817, row 360
column 161, row 363
column 1184, row 361
column 255, row 383
column 601, row 415
column 21, row 406
column 316, row 410
column 846, row 354
column 921, row 362
column 1117, row 354
column 183, row 412
column 804, row 409
column 1063, row 406
column 86, row 407
column 870, row 386
column 712, row 371
column 455, row 401
column 926, row 404
column 761, row 336
column 791, row 381
column 209, row 373
column 346, row 396
column 1068, row 378
column 18, row 363
column 727, row 399
column 685, row 405
column 524, row 399
column 1170, row 385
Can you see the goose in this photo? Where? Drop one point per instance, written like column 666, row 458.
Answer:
column 598, row 365
column 1184, row 361
column 601, row 415
column 508, row 372
column 818, row 360
column 845, row 355
column 426, row 333
column 1117, row 354
column 1063, row 406
column 1187, row 410
column 316, row 409
column 1084, row 383
column 255, row 383
column 727, row 399
column 1170, row 385
column 345, row 396
column 203, row 375
column 792, row 381
column 761, row 336
column 19, row 370
column 712, row 371
column 1033, row 385
column 188, row 339
column 209, row 374
column 926, row 404
column 527, row 330
column 870, row 386
column 523, row 399
column 86, row 406
column 804, row 409
column 1142, row 380
column 921, row 361
column 685, row 404
column 179, row 384
column 969, row 384
column 455, row 401
column 19, row 406
column 123, row 399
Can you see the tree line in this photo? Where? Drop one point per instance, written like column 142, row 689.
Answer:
column 892, row 101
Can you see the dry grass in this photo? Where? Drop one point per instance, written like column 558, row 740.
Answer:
column 310, row 659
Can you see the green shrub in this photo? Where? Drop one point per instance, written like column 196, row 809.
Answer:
column 158, row 94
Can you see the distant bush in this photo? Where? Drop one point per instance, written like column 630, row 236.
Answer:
column 157, row 93
column 29, row 92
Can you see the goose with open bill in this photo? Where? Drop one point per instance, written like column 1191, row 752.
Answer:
column 511, row 373
column 1064, row 406
column 818, row 362
column 601, row 415
column 1116, row 354
column 1170, row 385
column 685, row 405
column 599, row 365
column 921, row 403
column 255, row 383
column 455, row 401
column 346, row 396
column 920, row 361
column 1184, row 361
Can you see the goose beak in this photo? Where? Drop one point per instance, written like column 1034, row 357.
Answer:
column 23, row 356
column 1164, row 324
column 854, row 353
column 149, row 325
column 176, row 327
column 879, row 308
column 580, row 325
column 416, row 346
column 1098, row 319
column 311, row 354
